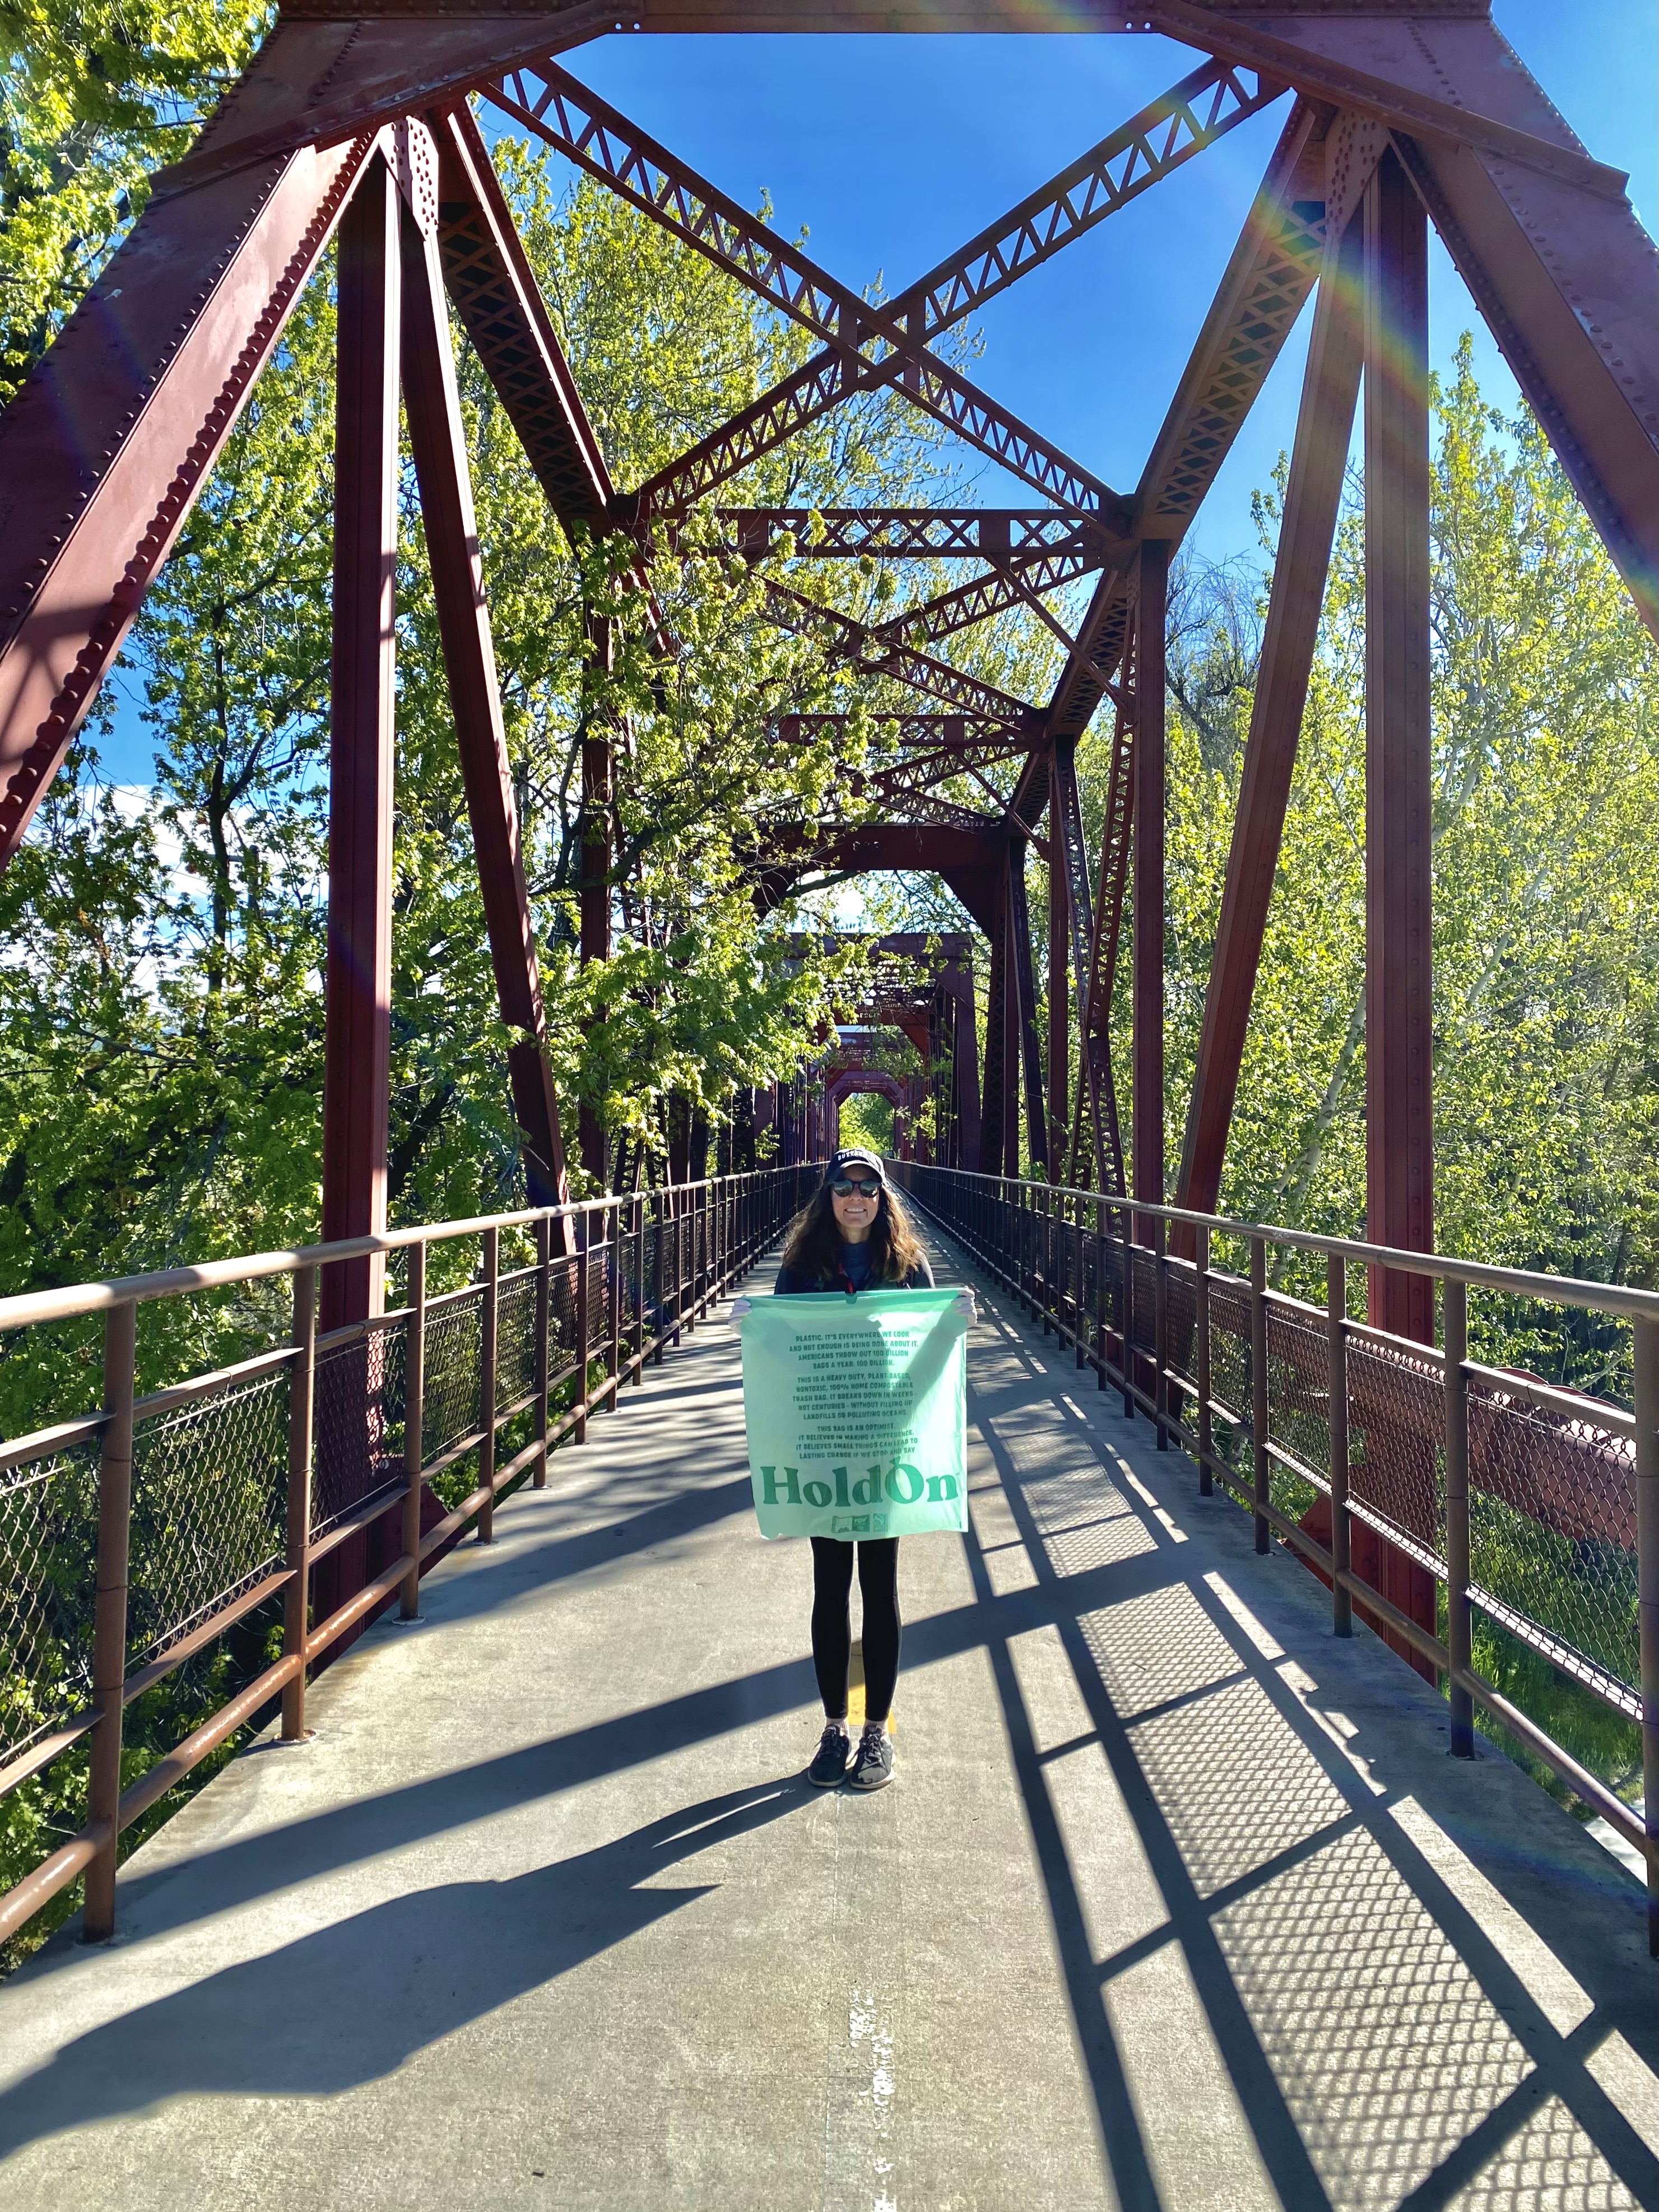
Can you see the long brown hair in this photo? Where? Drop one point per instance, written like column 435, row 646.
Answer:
column 813, row 1245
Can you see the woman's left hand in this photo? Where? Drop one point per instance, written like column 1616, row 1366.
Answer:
column 963, row 1303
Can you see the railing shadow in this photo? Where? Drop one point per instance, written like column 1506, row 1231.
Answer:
column 1380, row 2045
column 435, row 1958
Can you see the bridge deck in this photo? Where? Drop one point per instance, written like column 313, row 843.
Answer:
column 1177, row 1901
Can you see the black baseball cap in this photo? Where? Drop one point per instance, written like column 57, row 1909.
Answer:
column 855, row 1155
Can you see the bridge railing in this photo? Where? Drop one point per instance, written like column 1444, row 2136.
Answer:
column 133, row 1539
column 1533, row 1508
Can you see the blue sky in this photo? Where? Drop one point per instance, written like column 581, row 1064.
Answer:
column 890, row 151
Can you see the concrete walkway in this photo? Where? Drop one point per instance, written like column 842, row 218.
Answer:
column 1177, row 1902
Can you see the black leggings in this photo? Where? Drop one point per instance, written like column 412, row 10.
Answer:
column 832, row 1628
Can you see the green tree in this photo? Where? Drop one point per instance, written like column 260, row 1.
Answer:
column 1546, row 718
column 94, row 97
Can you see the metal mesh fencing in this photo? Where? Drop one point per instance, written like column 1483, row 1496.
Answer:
column 1552, row 1534
column 358, row 1421
column 209, row 1485
column 561, row 1316
column 1142, row 1291
column 1396, row 1442
column 1299, row 1404
column 515, row 1338
column 48, row 1588
column 1180, row 1339
column 1230, row 1345
column 601, row 1291
column 453, row 1373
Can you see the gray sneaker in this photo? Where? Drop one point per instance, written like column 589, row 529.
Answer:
column 828, row 1767
column 873, row 1767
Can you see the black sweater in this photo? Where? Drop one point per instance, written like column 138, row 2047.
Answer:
column 793, row 1282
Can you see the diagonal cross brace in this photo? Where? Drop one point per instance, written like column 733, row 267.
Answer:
column 597, row 137
column 880, row 656
column 1012, row 584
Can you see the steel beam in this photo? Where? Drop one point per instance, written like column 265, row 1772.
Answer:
column 489, row 277
column 1399, row 980
column 1023, row 972
column 324, row 74
column 1146, row 1134
column 1191, row 115
column 1095, row 1023
column 1011, row 584
column 867, row 649
column 1402, row 68
column 1066, row 848
column 588, row 131
column 953, row 738
column 877, row 847
column 1330, row 389
column 964, row 1068
column 105, row 448
column 357, row 1021
column 1545, row 238
column 438, row 440
column 594, row 892
column 1000, row 1109
column 913, row 533
column 1060, row 986
column 1269, row 275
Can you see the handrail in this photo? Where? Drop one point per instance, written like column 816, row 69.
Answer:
column 1624, row 1300
column 1444, row 1473
column 74, row 1299
column 361, row 1421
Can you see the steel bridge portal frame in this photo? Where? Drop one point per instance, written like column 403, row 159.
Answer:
column 359, row 125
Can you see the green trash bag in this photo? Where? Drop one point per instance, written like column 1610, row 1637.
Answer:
column 856, row 1412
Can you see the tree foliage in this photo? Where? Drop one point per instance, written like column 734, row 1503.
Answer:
column 1546, row 736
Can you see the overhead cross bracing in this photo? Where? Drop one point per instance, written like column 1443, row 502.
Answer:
column 359, row 129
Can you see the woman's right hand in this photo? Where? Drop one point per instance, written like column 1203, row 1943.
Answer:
column 740, row 1306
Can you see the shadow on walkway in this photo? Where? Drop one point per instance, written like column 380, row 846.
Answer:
column 434, row 1959
column 1406, row 1976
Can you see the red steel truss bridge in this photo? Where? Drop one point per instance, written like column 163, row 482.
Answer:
column 359, row 127
column 361, row 131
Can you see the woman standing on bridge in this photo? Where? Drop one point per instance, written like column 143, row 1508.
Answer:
column 853, row 1236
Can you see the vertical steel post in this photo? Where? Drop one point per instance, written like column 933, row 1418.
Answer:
column 1128, row 1317
column 612, row 1218
column 1060, row 978
column 1147, row 832
column 544, row 1316
column 1399, row 860
column 1201, row 1320
column 1079, row 1276
column 413, row 1428
column 437, row 439
column 1336, row 1330
column 637, row 1291
column 357, row 991
column 491, row 1317
column 1458, row 1640
column 595, row 831
column 296, row 1551
column 581, row 1333
column 109, row 1650
column 1042, row 1263
column 1646, row 1349
column 657, row 1285
column 1028, row 1047
column 1102, row 1290
column 1312, row 498
column 1160, row 1336
column 1259, row 1407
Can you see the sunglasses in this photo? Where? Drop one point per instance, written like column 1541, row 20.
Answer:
column 844, row 1186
